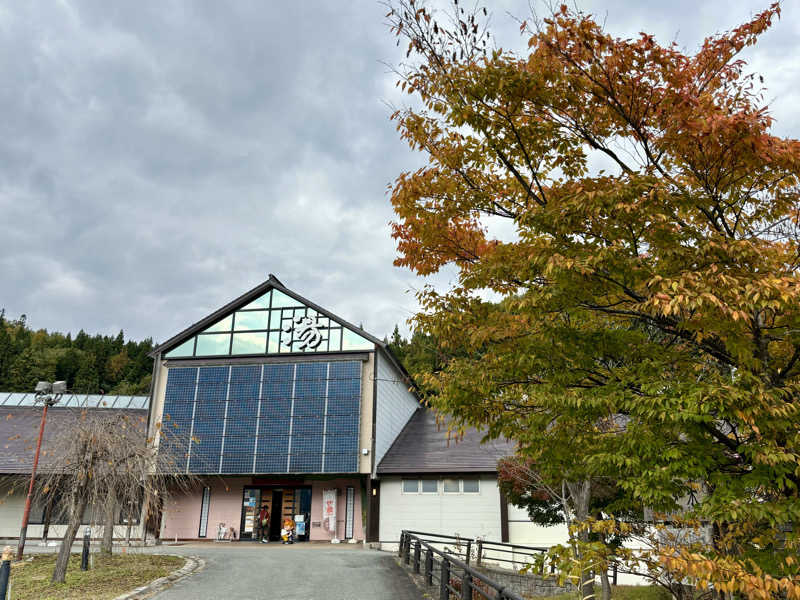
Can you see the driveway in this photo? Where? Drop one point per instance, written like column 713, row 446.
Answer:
column 244, row 571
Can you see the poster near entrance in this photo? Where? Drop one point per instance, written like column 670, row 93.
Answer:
column 329, row 511
column 250, row 504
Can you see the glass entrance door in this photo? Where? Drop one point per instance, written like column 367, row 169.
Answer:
column 251, row 500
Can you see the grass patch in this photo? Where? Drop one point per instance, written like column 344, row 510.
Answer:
column 109, row 577
column 618, row 592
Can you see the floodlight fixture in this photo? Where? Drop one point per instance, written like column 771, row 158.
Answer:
column 48, row 394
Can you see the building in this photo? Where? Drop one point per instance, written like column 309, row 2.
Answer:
column 434, row 482
column 19, row 429
column 277, row 403
column 272, row 402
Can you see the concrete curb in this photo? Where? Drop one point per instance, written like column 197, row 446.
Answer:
column 192, row 565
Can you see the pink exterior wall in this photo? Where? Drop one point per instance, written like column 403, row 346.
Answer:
column 181, row 517
column 182, row 512
column 320, row 533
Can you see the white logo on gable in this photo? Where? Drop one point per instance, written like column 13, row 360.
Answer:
column 307, row 333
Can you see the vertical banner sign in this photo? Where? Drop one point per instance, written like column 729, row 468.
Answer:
column 204, row 513
column 349, row 510
column 329, row 511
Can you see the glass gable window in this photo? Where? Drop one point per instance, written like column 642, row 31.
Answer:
column 249, row 343
column 209, row 344
column 274, row 323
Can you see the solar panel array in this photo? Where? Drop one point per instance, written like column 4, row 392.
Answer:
column 78, row 400
column 274, row 418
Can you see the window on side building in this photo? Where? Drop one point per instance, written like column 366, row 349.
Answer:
column 410, row 486
column 430, row 486
column 451, row 486
column 471, row 485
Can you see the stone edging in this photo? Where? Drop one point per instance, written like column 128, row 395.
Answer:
column 192, row 565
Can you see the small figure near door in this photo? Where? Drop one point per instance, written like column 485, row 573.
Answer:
column 263, row 524
column 287, row 532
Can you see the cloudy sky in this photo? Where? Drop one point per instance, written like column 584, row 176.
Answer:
column 159, row 158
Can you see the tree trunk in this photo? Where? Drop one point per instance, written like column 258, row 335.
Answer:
column 129, row 518
column 48, row 512
column 581, row 494
column 60, row 571
column 606, row 585
column 107, row 545
column 145, row 513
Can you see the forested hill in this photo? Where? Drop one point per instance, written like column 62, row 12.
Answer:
column 90, row 364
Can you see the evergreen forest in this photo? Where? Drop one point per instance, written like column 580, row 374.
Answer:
column 90, row 364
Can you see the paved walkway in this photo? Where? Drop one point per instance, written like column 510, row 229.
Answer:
column 244, row 571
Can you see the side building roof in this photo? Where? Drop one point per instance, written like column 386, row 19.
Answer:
column 423, row 447
column 19, row 430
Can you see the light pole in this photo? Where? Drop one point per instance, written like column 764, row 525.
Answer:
column 48, row 394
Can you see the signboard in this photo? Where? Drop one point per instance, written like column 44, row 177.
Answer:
column 329, row 511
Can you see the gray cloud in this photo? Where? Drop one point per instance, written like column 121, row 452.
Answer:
column 159, row 158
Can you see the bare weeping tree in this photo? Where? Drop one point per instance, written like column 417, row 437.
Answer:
column 103, row 462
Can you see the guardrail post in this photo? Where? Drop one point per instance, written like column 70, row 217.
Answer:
column 416, row 556
column 466, row 587
column 480, row 551
column 444, row 580
column 5, row 572
column 402, row 541
column 469, row 545
column 85, row 554
column 407, row 550
column 428, row 567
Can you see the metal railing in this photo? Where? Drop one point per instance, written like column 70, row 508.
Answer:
column 445, row 570
column 485, row 553
column 513, row 555
column 454, row 545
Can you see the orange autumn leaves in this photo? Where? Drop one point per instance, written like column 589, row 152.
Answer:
column 649, row 262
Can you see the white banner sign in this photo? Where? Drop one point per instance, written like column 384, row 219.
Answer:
column 329, row 510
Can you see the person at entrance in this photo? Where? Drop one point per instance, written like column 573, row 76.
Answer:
column 263, row 523
column 287, row 532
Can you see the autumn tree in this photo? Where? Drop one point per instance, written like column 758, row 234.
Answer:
column 651, row 276
column 103, row 465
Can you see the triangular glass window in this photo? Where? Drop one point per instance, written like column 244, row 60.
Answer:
column 274, row 323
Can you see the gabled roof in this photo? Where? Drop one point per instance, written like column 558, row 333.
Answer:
column 19, row 430
column 270, row 284
column 423, row 447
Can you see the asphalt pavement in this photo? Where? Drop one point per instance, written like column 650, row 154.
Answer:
column 245, row 571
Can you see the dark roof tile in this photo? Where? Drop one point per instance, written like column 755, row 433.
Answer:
column 19, row 429
column 423, row 447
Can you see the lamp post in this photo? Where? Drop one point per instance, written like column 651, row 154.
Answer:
column 48, row 394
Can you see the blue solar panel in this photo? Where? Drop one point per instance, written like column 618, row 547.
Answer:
column 272, row 418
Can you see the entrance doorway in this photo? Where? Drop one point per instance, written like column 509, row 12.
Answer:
column 275, row 517
column 281, row 503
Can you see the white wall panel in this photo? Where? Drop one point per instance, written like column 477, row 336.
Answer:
column 395, row 405
column 12, row 505
column 522, row 531
column 468, row 515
